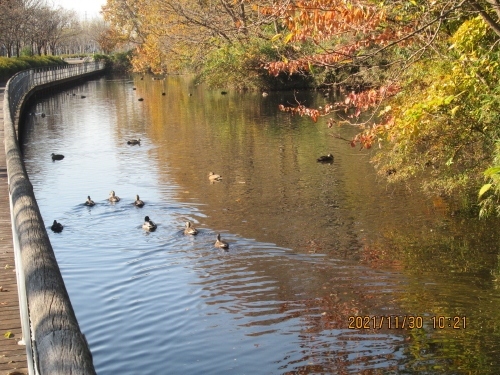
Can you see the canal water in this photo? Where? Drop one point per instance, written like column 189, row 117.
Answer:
column 329, row 270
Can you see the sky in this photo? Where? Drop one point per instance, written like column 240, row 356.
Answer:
column 89, row 7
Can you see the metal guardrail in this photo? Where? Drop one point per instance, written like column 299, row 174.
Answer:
column 22, row 82
column 54, row 342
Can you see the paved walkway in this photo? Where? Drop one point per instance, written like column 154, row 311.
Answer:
column 12, row 355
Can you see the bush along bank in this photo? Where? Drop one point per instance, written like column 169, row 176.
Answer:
column 11, row 65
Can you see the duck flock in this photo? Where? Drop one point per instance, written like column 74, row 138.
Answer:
column 148, row 225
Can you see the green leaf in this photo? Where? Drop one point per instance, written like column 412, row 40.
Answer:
column 8, row 335
column 484, row 189
column 491, row 171
column 449, row 99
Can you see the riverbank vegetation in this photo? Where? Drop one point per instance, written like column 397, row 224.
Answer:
column 11, row 65
column 427, row 72
column 117, row 62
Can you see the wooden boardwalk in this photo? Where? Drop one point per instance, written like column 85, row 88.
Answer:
column 12, row 355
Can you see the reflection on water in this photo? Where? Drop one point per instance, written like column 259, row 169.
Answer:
column 311, row 244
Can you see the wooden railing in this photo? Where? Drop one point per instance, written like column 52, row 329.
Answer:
column 55, row 344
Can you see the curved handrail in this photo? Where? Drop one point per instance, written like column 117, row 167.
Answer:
column 58, row 345
column 24, row 81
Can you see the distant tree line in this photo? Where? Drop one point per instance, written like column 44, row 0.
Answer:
column 32, row 27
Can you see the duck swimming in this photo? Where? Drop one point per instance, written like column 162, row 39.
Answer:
column 57, row 227
column 134, row 142
column 113, row 197
column 149, row 225
column 57, row 157
column 214, row 177
column 89, row 202
column 190, row 229
column 325, row 159
column 138, row 202
column 220, row 243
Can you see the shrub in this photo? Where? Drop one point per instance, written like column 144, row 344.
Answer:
column 11, row 65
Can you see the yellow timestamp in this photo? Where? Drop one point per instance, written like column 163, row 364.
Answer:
column 406, row 322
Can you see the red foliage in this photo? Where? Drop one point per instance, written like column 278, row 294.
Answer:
column 355, row 103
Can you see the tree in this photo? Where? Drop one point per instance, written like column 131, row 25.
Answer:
column 14, row 16
column 438, row 62
column 182, row 31
column 393, row 58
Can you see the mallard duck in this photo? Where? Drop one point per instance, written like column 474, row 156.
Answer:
column 138, row 202
column 57, row 227
column 190, row 229
column 220, row 243
column 325, row 159
column 89, row 202
column 214, row 177
column 134, row 142
column 149, row 225
column 113, row 197
column 57, row 157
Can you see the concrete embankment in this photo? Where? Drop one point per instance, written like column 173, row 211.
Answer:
column 12, row 355
column 58, row 345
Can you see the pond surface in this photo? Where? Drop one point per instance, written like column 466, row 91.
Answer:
column 312, row 246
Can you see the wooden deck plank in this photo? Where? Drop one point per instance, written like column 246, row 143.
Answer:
column 12, row 355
